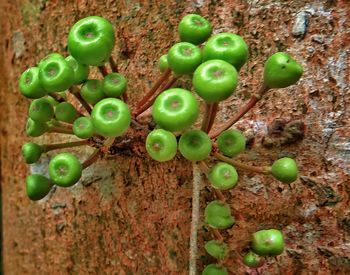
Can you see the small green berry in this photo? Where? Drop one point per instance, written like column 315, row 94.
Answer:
column 195, row 145
column 29, row 84
column 81, row 71
column 161, row 145
column 268, row 242
column 35, row 128
column 31, row 152
column 37, row 186
column 218, row 215
column 231, row 142
column 92, row 91
column 194, row 29
column 41, row 110
column 83, row 127
column 217, row 249
column 214, row 269
column 285, row 170
column 163, row 63
column 223, row 176
column 114, row 85
column 253, row 260
column 66, row 112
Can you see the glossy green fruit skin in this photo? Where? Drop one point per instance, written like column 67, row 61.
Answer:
column 91, row 40
column 92, row 91
column 253, row 260
column 55, row 74
column 175, row 110
column 217, row 249
column 184, row 58
column 41, row 110
column 285, row 170
column 114, row 85
column 31, row 152
column 161, row 145
column 281, row 71
column 83, row 128
column 194, row 29
column 214, row 269
column 81, row 71
column 111, row 117
column 37, row 186
column 268, row 242
column 228, row 47
column 163, row 63
column 195, row 145
column 71, row 170
column 35, row 128
column 50, row 56
column 66, row 112
column 29, row 84
column 223, row 176
column 231, row 142
column 211, row 87
column 218, row 215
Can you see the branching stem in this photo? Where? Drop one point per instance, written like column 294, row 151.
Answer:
column 49, row 147
column 74, row 91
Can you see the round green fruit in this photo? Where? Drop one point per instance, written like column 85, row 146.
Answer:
column 81, row 71
column 231, row 142
column 194, row 29
column 195, row 145
column 253, row 260
column 114, row 85
column 214, row 269
column 35, row 128
column 268, row 242
column 50, row 56
column 111, row 117
column 215, row 80
column 175, row 109
column 285, row 170
column 31, row 152
column 65, row 170
column 37, row 186
column 29, row 84
column 161, row 145
column 91, row 40
column 41, row 110
column 217, row 249
column 66, row 112
column 223, row 176
column 163, row 63
column 218, row 215
column 83, row 127
column 281, row 71
column 92, row 91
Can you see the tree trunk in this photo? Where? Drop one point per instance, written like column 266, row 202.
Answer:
column 132, row 215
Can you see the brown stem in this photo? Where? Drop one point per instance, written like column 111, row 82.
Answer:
column 49, row 147
column 219, row 195
column 91, row 159
column 57, row 97
column 61, row 130
column 103, row 70
column 237, row 164
column 74, row 91
column 214, row 110
column 206, row 118
column 217, row 235
column 113, row 65
column 251, row 103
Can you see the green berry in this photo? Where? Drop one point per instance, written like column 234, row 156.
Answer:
column 253, row 260
column 66, row 112
column 184, row 58
column 114, row 85
column 65, row 170
column 223, row 176
column 217, row 249
column 231, row 142
column 41, row 110
column 31, row 152
column 163, row 63
column 195, row 145
column 175, row 110
column 214, row 269
column 50, row 56
column 194, row 29
column 268, row 242
column 218, row 215
column 111, row 117
column 281, row 71
column 285, row 170
column 161, row 145
column 81, row 71
column 29, row 84
column 35, row 128
column 91, row 40
column 37, row 186
column 215, row 80
column 92, row 91
column 228, row 47
column 83, row 127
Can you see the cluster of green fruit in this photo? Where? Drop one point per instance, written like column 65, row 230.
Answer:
column 214, row 69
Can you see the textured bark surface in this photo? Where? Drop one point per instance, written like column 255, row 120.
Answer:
column 131, row 215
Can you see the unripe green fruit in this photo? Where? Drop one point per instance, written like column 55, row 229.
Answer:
column 66, row 112
column 35, row 128
column 217, row 249
column 114, row 85
column 223, row 176
column 194, row 29
column 195, row 145
column 268, row 242
column 163, row 63
column 81, row 71
column 83, row 127
column 231, row 142
column 41, row 110
column 218, row 215
column 253, row 260
column 31, row 152
column 29, row 84
column 281, row 71
column 161, row 145
column 37, row 186
column 92, row 91
column 285, row 170
column 214, row 269
column 50, row 56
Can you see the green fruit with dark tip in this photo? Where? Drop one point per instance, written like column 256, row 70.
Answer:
column 217, row 249
column 184, row 58
column 231, row 142
column 161, row 145
column 281, row 71
column 29, row 83
column 163, row 63
column 37, row 186
column 66, row 112
column 83, row 127
column 215, row 80
column 111, row 117
column 81, row 71
column 228, row 47
column 114, row 85
column 35, row 128
column 253, row 260
column 175, row 110
column 31, row 152
column 195, row 145
column 91, row 40
column 285, row 170
column 41, row 110
column 223, row 176
column 194, row 29
column 214, row 269
column 65, row 170
column 268, row 242
column 218, row 215
column 92, row 91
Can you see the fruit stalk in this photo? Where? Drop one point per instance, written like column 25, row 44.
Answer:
column 57, row 97
column 214, row 110
column 49, row 147
column 74, row 91
column 103, row 70
column 113, row 65
column 91, row 159
column 61, row 130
